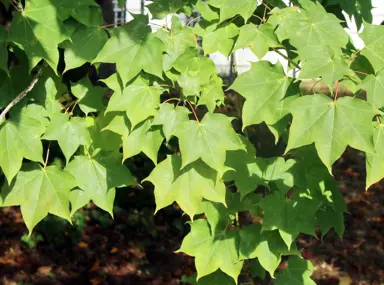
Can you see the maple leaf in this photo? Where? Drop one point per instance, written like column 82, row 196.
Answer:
column 99, row 174
column 30, row 28
column 170, row 117
column 258, row 38
column 187, row 186
column 244, row 8
column 40, row 191
column 84, row 46
column 208, row 140
column 133, row 48
column 70, row 133
column 213, row 252
column 317, row 115
column 143, row 138
column 263, row 87
column 86, row 12
column 3, row 49
column 374, row 86
column 138, row 99
column 375, row 161
column 298, row 270
column 20, row 138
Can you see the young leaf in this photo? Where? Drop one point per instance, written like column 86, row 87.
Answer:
column 70, row 133
column 267, row 246
column 298, row 270
column 133, row 48
column 99, row 174
column 332, row 126
column 139, row 100
column 187, row 186
column 258, row 38
column 143, row 138
column 212, row 252
column 208, row 140
column 263, row 87
column 89, row 96
column 170, row 117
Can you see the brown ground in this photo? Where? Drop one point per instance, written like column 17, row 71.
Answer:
column 134, row 249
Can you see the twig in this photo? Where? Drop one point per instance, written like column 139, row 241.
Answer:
column 286, row 58
column 20, row 96
column 258, row 17
column 193, row 110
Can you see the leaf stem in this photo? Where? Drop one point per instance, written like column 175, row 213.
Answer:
column 286, row 58
column 258, row 17
column 337, row 90
column 266, row 6
column 360, row 72
column 193, row 111
column 171, row 99
column 47, row 156
column 20, row 96
column 378, row 119
column 191, row 21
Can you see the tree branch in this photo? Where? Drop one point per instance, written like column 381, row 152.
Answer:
column 20, row 96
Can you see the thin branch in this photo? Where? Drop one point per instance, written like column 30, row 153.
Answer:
column 16, row 6
column 353, row 56
column 20, row 96
column 286, row 58
column 193, row 110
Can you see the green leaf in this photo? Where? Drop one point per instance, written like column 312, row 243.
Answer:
column 187, row 186
column 212, row 94
column 258, row 38
column 205, row 11
column 299, row 271
column 99, row 174
column 176, row 42
column 375, row 161
column 105, row 136
column 38, row 32
column 161, row 8
column 208, row 140
column 374, row 86
column 310, row 27
column 244, row 8
column 3, row 49
column 218, row 37
column 20, row 138
column 321, row 62
column 86, row 12
column 289, row 216
column 332, row 126
column 133, row 48
column 84, row 46
column 70, row 133
column 170, row 117
column 212, row 252
column 90, row 98
column 267, row 246
column 373, row 37
column 143, row 138
column 139, row 100
column 263, row 87
column 40, row 191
